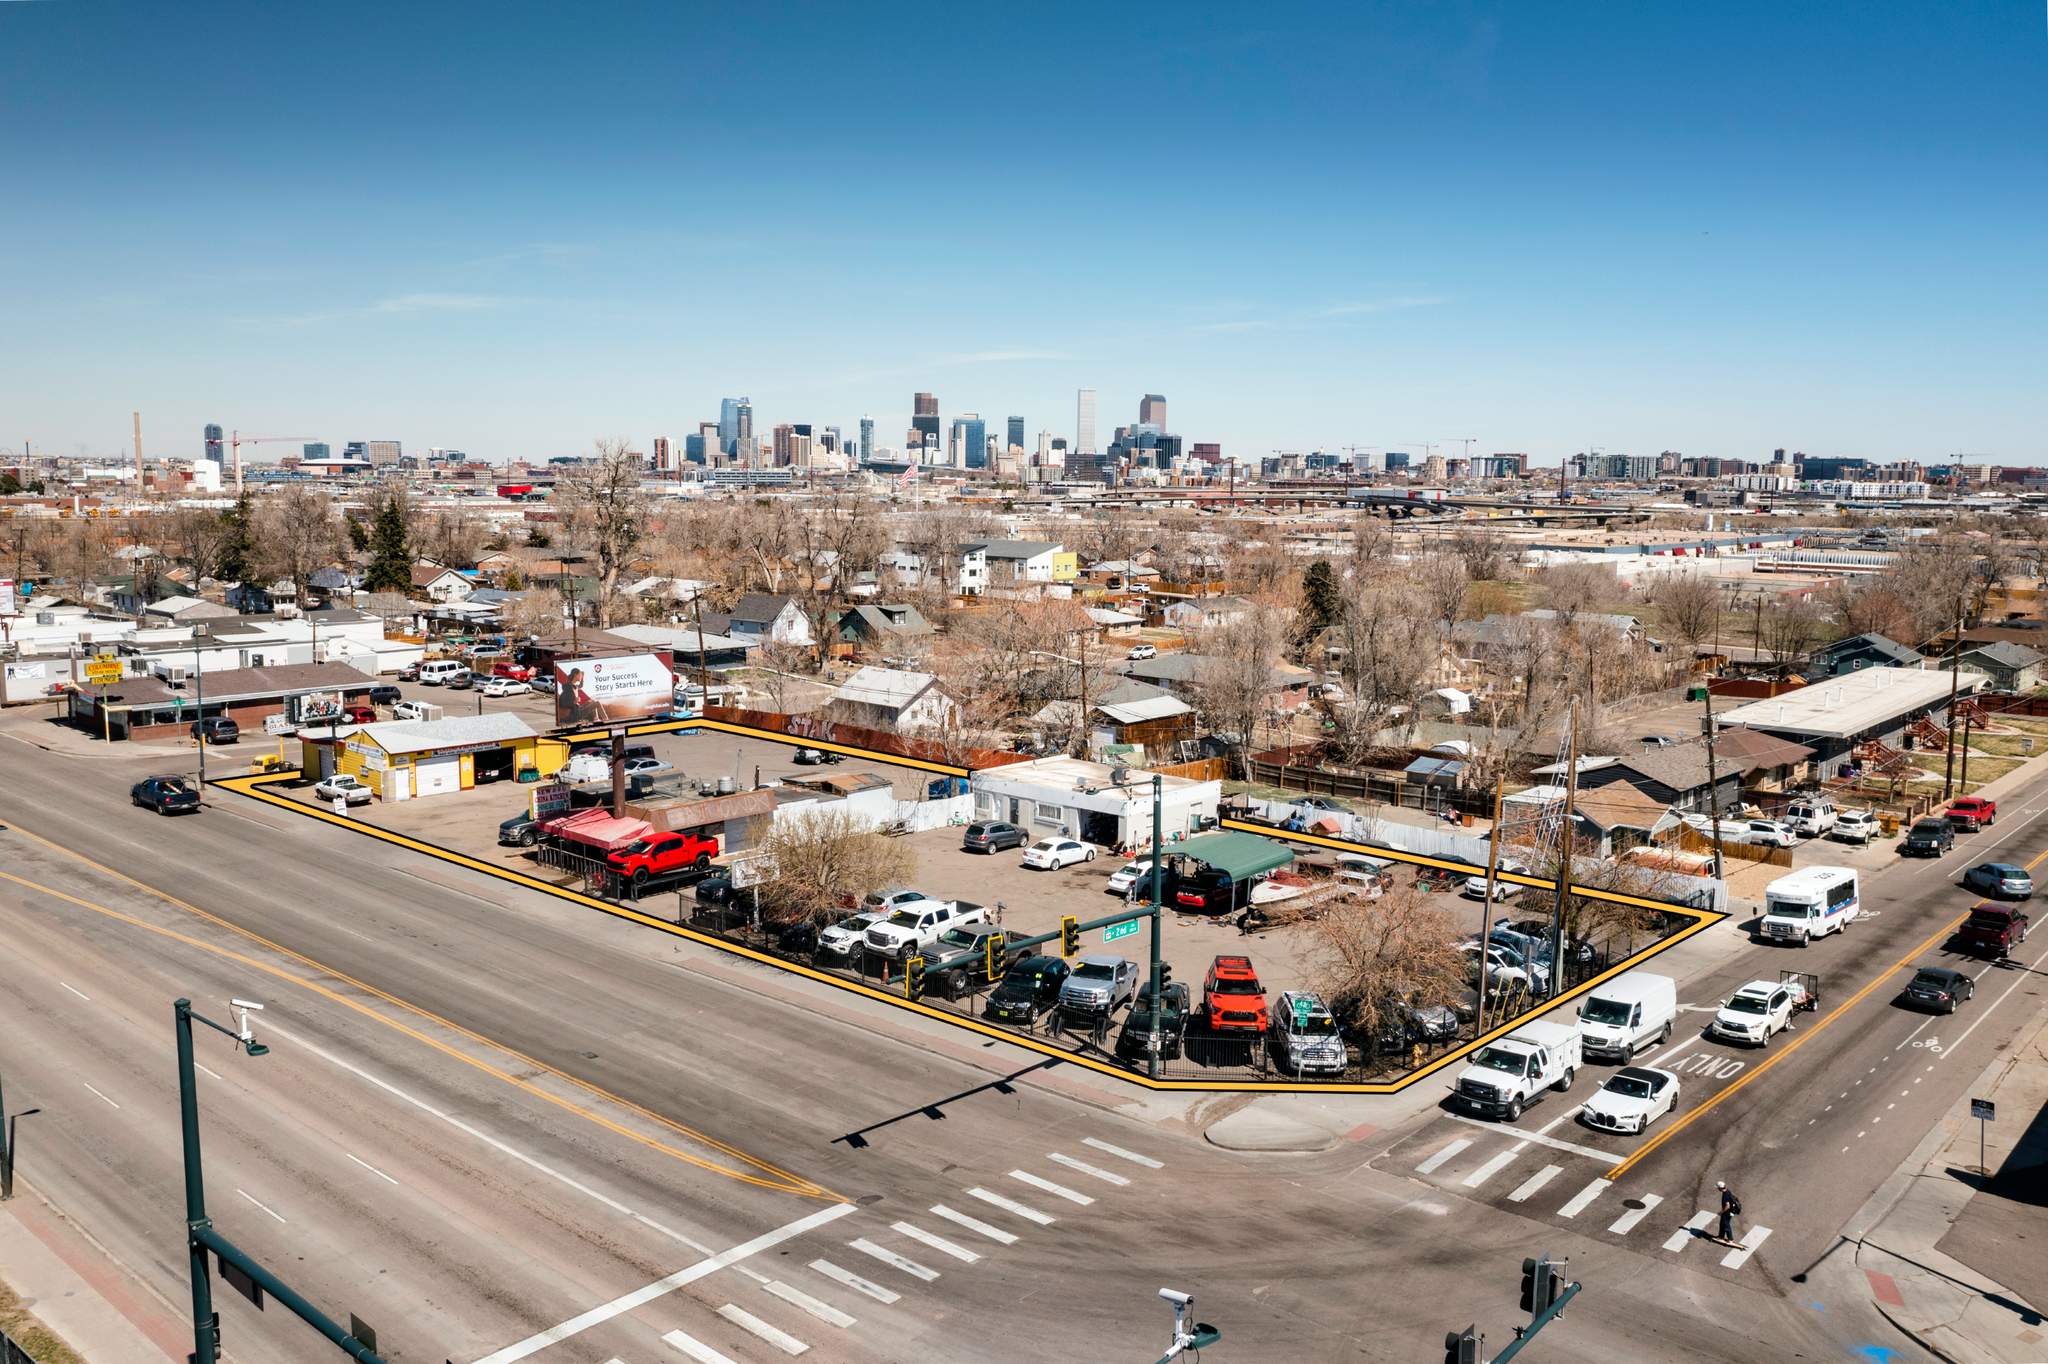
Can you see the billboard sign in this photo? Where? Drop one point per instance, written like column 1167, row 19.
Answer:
column 319, row 707
column 592, row 691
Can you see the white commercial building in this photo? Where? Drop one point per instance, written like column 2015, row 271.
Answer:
column 1107, row 806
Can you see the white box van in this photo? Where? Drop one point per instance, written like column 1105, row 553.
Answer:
column 440, row 670
column 1507, row 1076
column 1632, row 1012
column 1810, row 903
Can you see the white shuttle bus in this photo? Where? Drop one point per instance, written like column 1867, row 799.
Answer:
column 1810, row 903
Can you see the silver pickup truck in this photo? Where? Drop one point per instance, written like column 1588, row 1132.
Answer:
column 915, row 927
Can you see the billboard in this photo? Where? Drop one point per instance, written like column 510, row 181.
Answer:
column 591, row 691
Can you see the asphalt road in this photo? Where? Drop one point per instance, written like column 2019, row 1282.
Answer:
column 494, row 1126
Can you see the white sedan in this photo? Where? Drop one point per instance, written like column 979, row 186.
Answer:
column 1123, row 878
column 344, row 785
column 503, row 686
column 1632, row 1099
column 1050, row 854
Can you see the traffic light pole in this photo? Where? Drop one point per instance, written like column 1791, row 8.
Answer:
column 1157, row 918
column 1541, row 1320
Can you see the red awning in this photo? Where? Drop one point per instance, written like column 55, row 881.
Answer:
column 596, row 827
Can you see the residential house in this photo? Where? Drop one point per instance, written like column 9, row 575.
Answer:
column 123, row 595
column 439, row 584
column 762, row 619
column 254, row 599
column 882, row 626
column 1857, row 653
column 890, row 698
column 1605, row 821
column 1004, row 564
column 1766, row 762
column 1109, row 624
column 1675, row 777
column 1195, row 613
column 2010, row 666
column 1179, row 674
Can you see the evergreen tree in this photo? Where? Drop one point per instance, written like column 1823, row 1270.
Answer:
column 1318, row 599
column 358, row 538
column 537, row 538
column 391, row 570
column 9, row 485
column 238, row 547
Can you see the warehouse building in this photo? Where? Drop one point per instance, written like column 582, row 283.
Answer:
column 411, row 759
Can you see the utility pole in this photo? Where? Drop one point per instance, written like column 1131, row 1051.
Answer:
column 1955, row 677
column 7, row 1148
column 1158, row 783
column 1500, row 784
column 138, row 466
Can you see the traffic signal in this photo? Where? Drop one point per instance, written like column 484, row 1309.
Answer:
column 1461, row 1347
column 995, row 944
column 1542, row 1281
column 1070, row 936
column 913, row 979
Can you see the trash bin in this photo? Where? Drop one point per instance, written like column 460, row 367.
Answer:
column 1889, row 823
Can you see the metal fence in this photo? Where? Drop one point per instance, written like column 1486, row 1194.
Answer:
column 11, row 1351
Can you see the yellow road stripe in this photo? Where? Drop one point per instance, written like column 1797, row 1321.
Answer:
column 786, row 1182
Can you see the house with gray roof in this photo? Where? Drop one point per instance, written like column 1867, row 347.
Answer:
column 2010, row 666
column 1005, row 563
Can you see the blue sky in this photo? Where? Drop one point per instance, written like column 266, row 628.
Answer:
column 512, row 227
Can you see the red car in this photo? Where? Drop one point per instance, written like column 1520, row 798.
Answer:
column 662, row 855
column 359, row 714
column 507, row 668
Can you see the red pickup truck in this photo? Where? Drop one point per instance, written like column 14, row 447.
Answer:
column 662, row 855
column 1992, row 928
column 1972, row 813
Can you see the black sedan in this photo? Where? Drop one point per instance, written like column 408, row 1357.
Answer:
column 165, row 795
column 1135, row 1042
column 988, row 836
column 716, row 891
column 2000, row 880
column 1031, row 987
column 1939, row 989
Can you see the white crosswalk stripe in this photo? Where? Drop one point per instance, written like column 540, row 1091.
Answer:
column 1062, row 1190
column 823, row 1311
column 1490, row 1169
column 747, row 1321
column 1097, row 1171
column 1534, row 1182
column 1584, row 1198
column 1132, row 1156
column 1011, row 1205
column 854, row 1281
column 892, row 1259
column 974, row 1224
column 1626, row 1223
column 1683, row 1237
column 938, row 1243
column 695, row 1349
column 1735, row 1259
column 1429, row 1167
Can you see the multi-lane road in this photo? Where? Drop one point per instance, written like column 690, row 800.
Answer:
column 496, row 1127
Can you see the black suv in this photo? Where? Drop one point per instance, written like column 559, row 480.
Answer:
column 988, row 836
column 716, row 890
column 217, row 729
column 384, row 694
column 1930, row 838
column 1031, row 988
column 1135, row 1042
column 165, row 795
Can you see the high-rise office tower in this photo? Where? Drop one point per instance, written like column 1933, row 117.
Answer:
column 1016, row 441
column 316, row 450
column 661, row 453
column 867, row 439
column 216, row 448
column 735, row 424
column 925, row 419
column 1084, row 422
column 1152, row 411
column 969, row 435
column 708, row 444
column 784, row 432
column 1044, row 445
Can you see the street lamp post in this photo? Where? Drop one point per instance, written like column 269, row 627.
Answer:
column 7, row 1150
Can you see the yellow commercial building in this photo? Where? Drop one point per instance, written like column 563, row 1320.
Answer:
column 408, row 759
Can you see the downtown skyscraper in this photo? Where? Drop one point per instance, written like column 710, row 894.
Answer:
column 1084, row 422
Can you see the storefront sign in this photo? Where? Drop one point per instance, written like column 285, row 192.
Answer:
column 103, row 670
column 543, row 801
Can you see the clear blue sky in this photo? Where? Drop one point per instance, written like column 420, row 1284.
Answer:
column 511, row 227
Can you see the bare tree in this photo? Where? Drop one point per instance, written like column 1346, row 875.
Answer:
column 538, row 611
column 22, row 540
column 1372, row 542
column 388, row 606
column 194, row 537
column 1442, row 580
column 1373, row 957
column 453, row 539
column 1573, row 590
column 1486, row 556
column 1234, row 676
column 296, row 533
column 1389, row 653
column 1689, row 606
column 822, row 857
column 1789, row 630
column 603, row 512
column 838, row 538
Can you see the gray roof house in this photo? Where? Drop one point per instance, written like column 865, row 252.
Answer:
column 2010, row 666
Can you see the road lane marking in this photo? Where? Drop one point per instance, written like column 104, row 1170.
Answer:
column 892, row 1259
column 207, row 1071
column 245, row 1194
column 2025, row 973
column 938, row 1243
column 974, row 1224
column 747, row 1321
column 80, row 993
column 102, row 1096
column 660, row 1287
column 1132, row 1156
column 1684, row 1237
column 823, row 1311
column 1537, row 1137
column 1489, row 1170
column 1035, row 1182
column 1565, row 1116
column 1626, row 1223
column 1680, row 1124
column 1429, row 1167
column 1086, row 1169
column 1535, row 1182
column 1735, row 1259
column 854, row 1281
column 371, row 1168
column 1011, row 1205
column 695, row 1349
column 1584, row 1198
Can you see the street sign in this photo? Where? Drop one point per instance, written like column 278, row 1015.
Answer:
column 1984, row 1109
column 1111, row 932
column 103, row 670
column 1301, row 1008
column 276, row 724
column 751, row 871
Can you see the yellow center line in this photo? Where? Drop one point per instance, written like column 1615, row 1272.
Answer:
column 783, row 1181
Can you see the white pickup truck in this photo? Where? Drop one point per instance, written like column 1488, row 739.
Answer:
column 1507, row 1076
column 917, row 925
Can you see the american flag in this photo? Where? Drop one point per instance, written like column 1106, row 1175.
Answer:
column 907, row 477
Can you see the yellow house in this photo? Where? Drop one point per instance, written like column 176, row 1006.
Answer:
column 1065, row 565
column 408, row 759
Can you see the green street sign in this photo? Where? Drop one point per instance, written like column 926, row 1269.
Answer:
column 1111, row 932
column 1301, row 1007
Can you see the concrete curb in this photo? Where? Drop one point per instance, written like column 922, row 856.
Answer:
column 1262, row 1131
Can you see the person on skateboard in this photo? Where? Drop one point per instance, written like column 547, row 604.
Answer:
column 1731, row 1207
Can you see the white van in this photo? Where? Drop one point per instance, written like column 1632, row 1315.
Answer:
column 436, row 673
column 1812, row 818
column 1810, row 903
column 1628, row 1014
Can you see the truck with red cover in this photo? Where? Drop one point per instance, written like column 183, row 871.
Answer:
column 1992, row 928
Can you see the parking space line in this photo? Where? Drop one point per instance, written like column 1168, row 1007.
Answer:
column 1012, row 1205
column 938, row 1243
column 695, row 1349
column 1683, row 1237
column 1535, row 1182
column 1489, row 1170
column 103, row 1097
column 1626, row 1223
column 1132, row 1156
column 747, row 1321
column 1087, row 1169
column 1735, row 1259
column 854, row 1281
column 245, row 1194
column 1429, row 1167
column 893, row 1260
column 1584, row 1198
column 973, row 1224
column 823, row 1311
column 1035, row 1182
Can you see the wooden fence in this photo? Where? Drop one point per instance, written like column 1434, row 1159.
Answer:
column 2013, row 705
column 1358, row 786
column 1202, row 769
column 1693, row 841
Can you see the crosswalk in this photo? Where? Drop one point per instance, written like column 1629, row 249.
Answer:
column 907, row 1253
column 1473, row 1164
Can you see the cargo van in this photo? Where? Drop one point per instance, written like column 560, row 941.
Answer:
column 1628, row 1014
column 436, row 673
column 1810, row 903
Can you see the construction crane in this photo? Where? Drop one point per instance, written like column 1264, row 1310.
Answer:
column 237, row 440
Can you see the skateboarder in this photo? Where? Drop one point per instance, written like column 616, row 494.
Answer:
column 1731, row 1206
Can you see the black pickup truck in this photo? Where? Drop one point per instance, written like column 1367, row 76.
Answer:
column 165, row 795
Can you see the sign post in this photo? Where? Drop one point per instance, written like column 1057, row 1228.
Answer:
column 1985, row 1112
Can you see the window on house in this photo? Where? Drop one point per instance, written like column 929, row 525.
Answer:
column 1055, row 815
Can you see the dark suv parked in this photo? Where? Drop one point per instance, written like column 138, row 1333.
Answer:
column 1213, row 892
column 1135, row 1041
column 1930, row 838
column 989, row 836
column 217, row 729
column 1031, row 988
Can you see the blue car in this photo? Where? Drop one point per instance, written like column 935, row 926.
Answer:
column 2000, row 880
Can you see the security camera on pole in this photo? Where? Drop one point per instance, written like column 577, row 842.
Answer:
column 1183, row 1339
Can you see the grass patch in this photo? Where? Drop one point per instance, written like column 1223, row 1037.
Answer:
column 2004, row 745
column 30, row 1334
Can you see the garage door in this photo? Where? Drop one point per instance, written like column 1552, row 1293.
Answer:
column 435, row 775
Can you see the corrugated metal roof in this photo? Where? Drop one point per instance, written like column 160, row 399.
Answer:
column 1237, row 854
column 422, row 736
column 882, row 687
column 1154, row 708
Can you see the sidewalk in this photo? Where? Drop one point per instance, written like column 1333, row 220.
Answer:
column 1938, row 1243
column 79, row 1293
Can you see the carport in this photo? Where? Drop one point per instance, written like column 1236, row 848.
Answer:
column 1236, row 855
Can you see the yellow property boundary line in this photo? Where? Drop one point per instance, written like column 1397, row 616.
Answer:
column 251, row 786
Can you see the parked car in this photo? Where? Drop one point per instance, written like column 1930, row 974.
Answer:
column 2002, row 880
column 1475, row 886
column 973, row 974
column 1770, row 833
column 544, row 685
column 1753, row 1013
column 1212, row 891
column 1632, row 1099
column 1099, row 984
column 384, row 694
column 1812, row 818
column 410, row 710
column 839, row 939
column 216, row 729
column 808, row 757
column 915, row 925
column 1138, row 873
column 1143, row 1035
column 1993, row 928
column 1141, row 652
column 1537, row 933
column 646, row 766
column 1304, row 1036
column 359, row 715
column 520, row 831
column 1660, row 740
column 892, row 899
column 502, row 686
column 1929, row 838
column 409, row 673
column 1505, row 967
column 991, row 836
column 459, row 681
column 342, row 784
column 716, row 891
column 1050, row 854
column 1855, row 826
column 1031, row 987
column 506, row 668
column 1232, row 998
column 663, row 855
column 1972, row 813
column 165, row 795
column 1939, row 988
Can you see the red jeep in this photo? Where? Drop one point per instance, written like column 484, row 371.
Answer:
column 663, row 855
